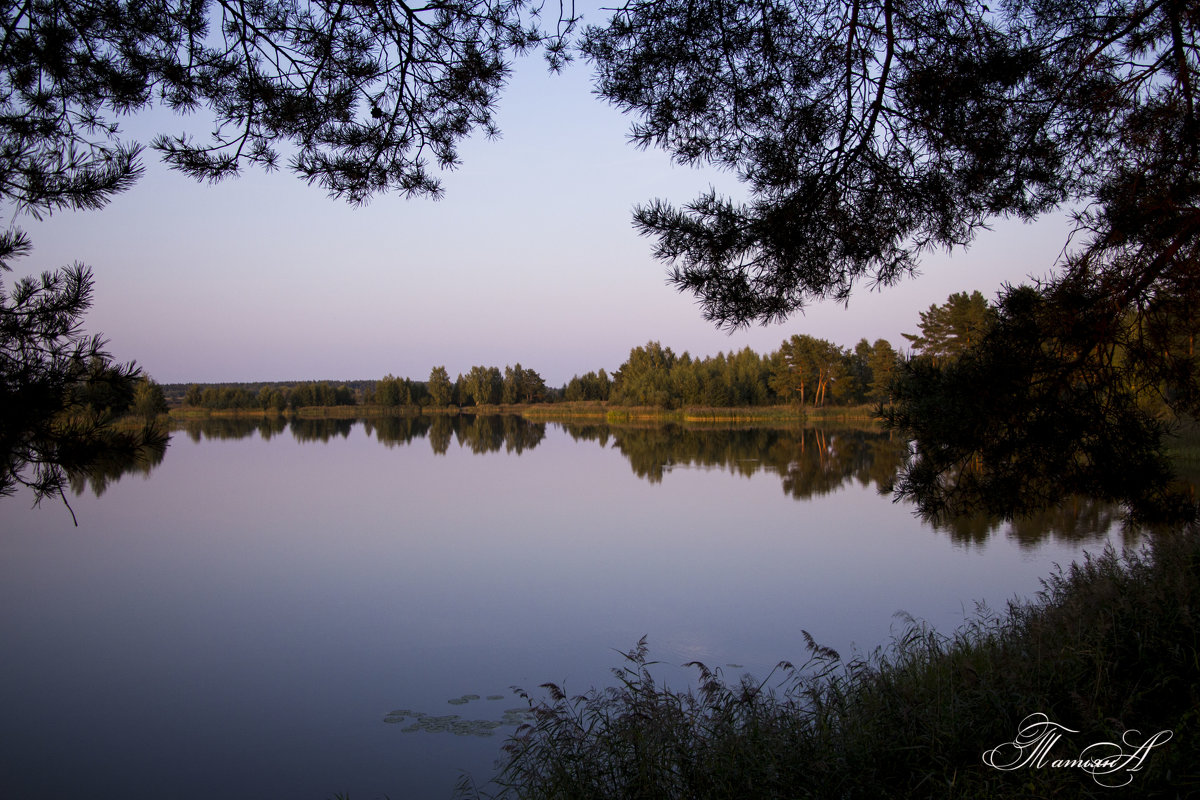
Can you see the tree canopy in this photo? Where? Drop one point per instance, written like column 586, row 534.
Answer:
column 869, row 132
column 949, row 329
column 361, row 96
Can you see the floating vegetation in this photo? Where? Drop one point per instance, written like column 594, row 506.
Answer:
column 433, row 724
column 517, row 716
column 401, row 714
column 736, row 666
column 453, row 723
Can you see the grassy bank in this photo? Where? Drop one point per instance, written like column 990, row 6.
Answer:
column 567, row 411
column 309, row 412
column 692, row 414
column 1110, row 649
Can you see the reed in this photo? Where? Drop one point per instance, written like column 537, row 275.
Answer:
column 1111, row 645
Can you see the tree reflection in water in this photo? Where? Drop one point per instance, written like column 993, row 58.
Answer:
column 109, row 467
column 810, row 461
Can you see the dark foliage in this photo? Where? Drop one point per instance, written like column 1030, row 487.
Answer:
column 59, row 390
column 868, row 132
column 362, row 95
column 1062, row 395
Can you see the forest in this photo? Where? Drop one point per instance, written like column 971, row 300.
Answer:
column 806, row 371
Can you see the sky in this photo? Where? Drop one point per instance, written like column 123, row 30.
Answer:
column 531, row 257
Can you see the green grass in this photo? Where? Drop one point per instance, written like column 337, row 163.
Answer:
column 696, row 414
column 561, row 411
column 844, row 413
column 569, row 410
column 1111, row 645
column 701, row 414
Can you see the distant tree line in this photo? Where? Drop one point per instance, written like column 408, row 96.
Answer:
column 481, row 386
column 269, row 396
column 804, row 371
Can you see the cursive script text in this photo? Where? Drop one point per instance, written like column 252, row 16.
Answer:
column 1110, row 764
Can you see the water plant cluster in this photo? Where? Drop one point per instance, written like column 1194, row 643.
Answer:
column 422, row 722
column 1110, row 650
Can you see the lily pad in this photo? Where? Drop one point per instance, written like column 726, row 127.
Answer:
column 452, row 723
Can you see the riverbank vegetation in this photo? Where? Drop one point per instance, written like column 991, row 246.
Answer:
column 1110, row 650
column 805, row 373
column 991, row 455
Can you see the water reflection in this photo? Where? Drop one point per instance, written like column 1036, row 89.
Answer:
column 1076, row 520
column 293, row 592
column 394, row 431
column 810, row 462
column 230, row 427
column 479, row 434
column 110, row 465
column 320, row 430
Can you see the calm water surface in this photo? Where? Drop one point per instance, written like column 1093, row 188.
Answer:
column 238, row 621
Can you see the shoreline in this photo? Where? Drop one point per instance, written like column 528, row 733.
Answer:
column 554, row 412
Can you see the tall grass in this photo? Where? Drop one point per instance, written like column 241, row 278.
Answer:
column 1110, row 647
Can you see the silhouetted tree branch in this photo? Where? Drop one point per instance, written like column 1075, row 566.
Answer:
column 869, row 132
column 59, row 390
column 362, row 96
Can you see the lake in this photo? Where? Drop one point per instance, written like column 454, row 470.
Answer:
column 240, row 619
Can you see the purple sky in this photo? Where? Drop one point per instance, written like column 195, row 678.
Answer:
column 531, row 257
